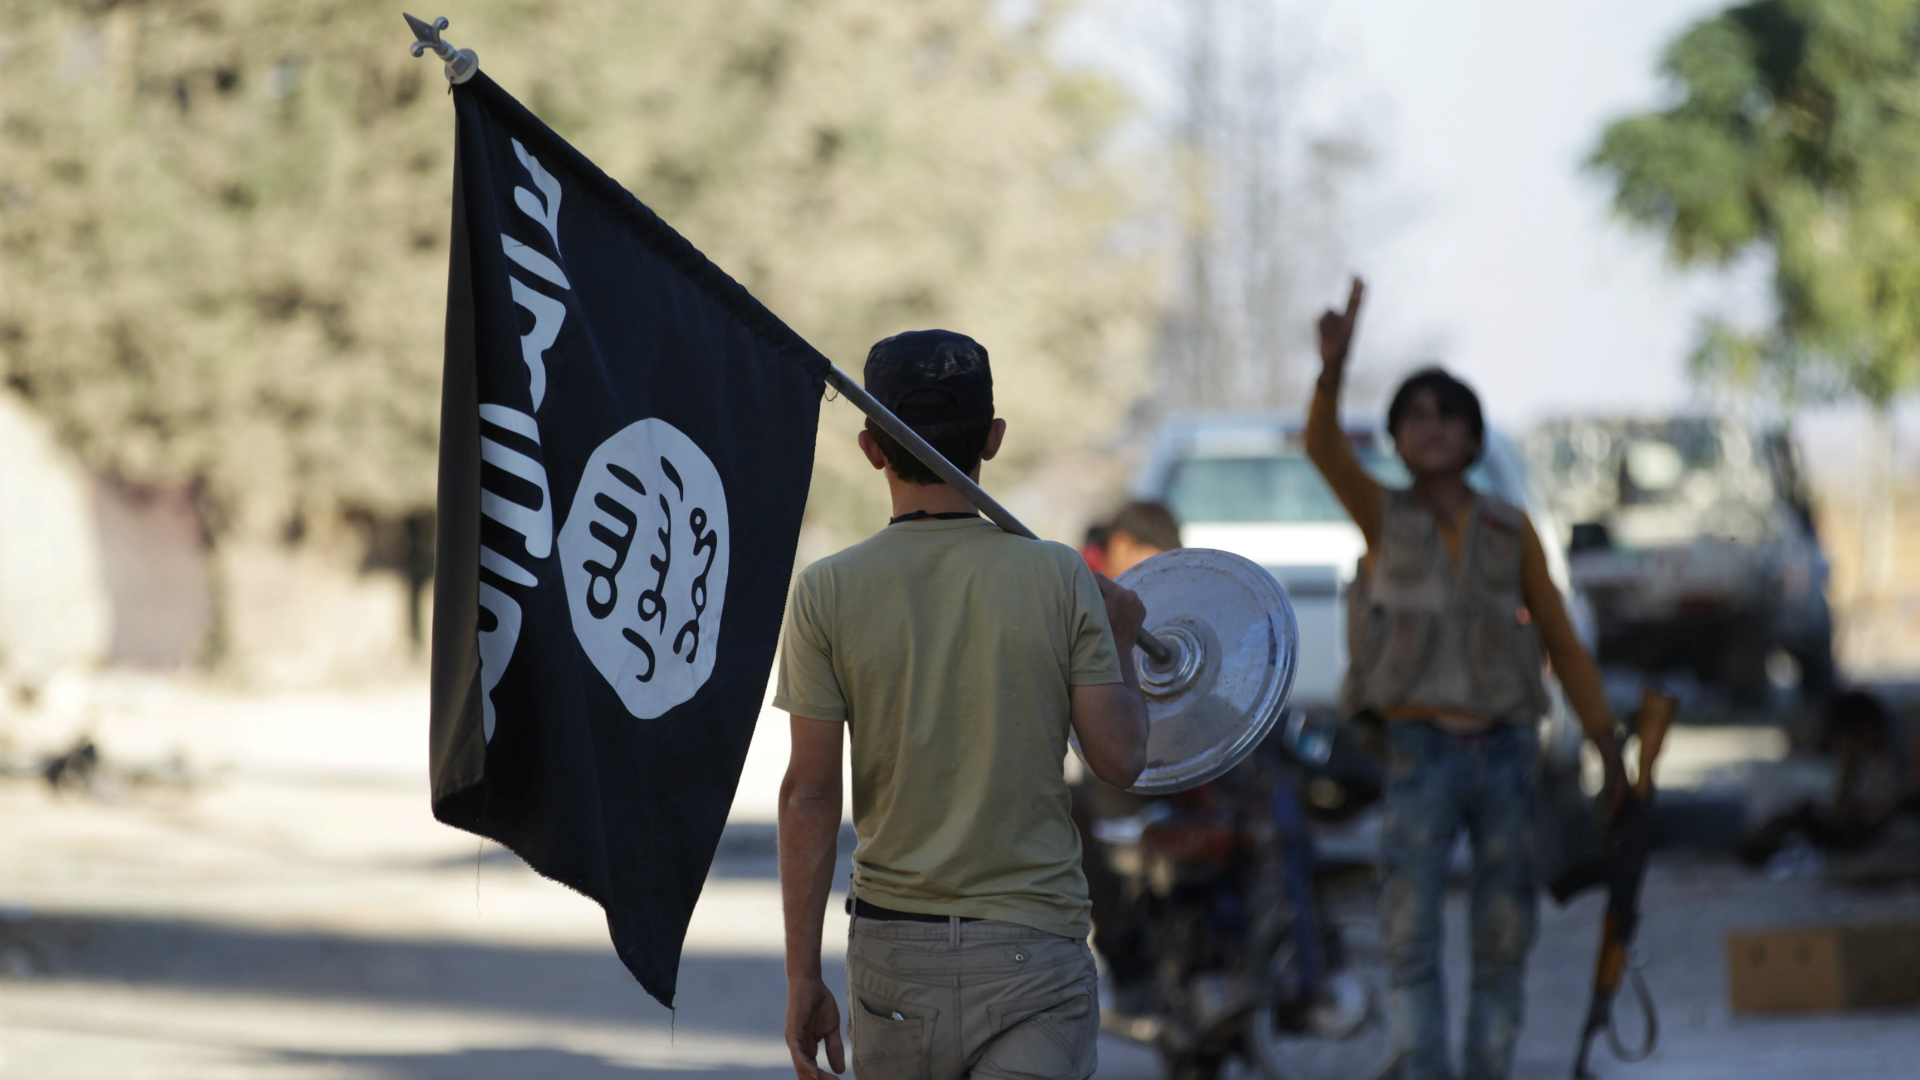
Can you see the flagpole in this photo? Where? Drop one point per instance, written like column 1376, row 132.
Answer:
column 1159, row 651
column 461, row 63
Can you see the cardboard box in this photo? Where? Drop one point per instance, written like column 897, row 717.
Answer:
column 1823, row 969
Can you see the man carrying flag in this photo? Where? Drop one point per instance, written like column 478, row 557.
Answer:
column 955, row 657
column 626, row 442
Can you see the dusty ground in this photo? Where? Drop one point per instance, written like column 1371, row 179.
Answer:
column 294, row 912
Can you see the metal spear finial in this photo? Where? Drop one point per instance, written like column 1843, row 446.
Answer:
column 461, row 63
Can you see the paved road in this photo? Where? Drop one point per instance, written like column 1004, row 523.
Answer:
column 298, row 914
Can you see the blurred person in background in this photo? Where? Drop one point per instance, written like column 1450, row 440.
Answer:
column 1447, row 618
column 1137, row 532
column 1094, row 548
column 1876, row 779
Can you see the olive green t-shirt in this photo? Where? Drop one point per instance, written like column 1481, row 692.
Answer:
column 947, row 647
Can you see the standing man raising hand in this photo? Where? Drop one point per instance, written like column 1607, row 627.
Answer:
column 1446, row 621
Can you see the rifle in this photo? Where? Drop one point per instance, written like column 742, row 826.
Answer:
column 1622, row 867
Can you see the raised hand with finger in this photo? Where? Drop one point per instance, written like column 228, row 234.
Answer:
column 1336, row 336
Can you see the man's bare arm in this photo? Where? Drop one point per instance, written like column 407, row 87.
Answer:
column 1326, row 443
column 809, row 834
column 1579, row 676
column 1111, row 719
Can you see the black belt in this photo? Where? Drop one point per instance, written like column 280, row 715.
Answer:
column 1493, row 727
column 864, row 910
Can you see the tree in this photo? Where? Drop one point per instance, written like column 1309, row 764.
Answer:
column 1256, row 198
column 1796, row 132
column 223, row 223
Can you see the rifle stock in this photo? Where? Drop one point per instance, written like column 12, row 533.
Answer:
column 1612, row 962
column 1625, row 869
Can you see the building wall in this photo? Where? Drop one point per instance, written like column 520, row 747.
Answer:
column 153, row 559
column 100, row 572
column 55, row 612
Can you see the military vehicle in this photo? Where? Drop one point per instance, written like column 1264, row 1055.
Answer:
column 1693, row 538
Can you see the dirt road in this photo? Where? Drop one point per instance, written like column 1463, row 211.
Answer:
column 296, row 913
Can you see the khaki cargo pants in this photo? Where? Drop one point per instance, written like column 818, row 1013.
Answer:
column 944, row 1001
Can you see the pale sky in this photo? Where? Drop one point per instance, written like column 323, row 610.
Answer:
column 1486, row 244
column 1486, row 240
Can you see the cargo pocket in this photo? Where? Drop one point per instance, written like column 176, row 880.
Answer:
column 1407, row 540
column 1044, row 1037
column 1406, row 651
column 889, row 1039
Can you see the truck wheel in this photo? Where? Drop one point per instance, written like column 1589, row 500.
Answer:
column 1192, row 1066
column 1816, row 672
column 1743, row 666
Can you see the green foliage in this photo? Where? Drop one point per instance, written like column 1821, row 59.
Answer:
column 223, row 223
column 1795, row 130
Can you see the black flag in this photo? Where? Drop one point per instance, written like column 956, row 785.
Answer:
column 625, row 445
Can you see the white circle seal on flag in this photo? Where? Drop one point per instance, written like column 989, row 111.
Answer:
column 644, row 556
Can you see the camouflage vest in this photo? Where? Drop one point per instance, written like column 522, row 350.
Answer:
column 1422, row 629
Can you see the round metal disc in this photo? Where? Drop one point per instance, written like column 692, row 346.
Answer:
column 1237, row 650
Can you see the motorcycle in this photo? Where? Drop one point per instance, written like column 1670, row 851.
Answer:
column 1257, row 948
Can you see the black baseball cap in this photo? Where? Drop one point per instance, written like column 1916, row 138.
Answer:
column 931, row 377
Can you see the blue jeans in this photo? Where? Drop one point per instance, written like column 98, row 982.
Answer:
column 1438, row 784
